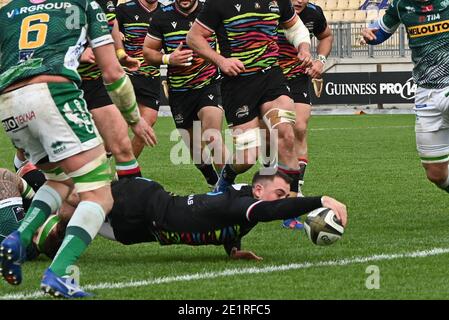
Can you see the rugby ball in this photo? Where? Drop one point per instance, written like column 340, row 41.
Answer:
column 322, row 227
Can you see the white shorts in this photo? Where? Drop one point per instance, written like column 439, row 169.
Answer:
column 48, row 120
column 432, row 124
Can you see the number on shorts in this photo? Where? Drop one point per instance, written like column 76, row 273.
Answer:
column 39, row 29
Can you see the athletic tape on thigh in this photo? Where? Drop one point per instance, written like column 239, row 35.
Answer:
column 93, row 175
column 55, row 175
column 247, row 140
column 275, row 117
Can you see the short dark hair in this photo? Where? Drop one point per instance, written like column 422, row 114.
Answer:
column 259, row 177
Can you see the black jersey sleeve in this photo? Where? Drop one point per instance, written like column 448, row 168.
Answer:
column 210, row 16
column 287, row 11
column 321, row 24
column 155, row 27
column 265, row 211
column 119, row 17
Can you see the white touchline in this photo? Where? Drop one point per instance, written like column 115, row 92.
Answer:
column 361, row 128
column 234, row 272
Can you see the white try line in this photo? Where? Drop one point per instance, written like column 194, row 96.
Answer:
column 243, row 271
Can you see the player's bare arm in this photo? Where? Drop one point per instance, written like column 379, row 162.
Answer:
column 152, row 54
column 125, row 60
column 112, row 71
column 298, row 35
column 324, row 48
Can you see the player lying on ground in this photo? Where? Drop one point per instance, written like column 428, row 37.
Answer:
column 144, row 212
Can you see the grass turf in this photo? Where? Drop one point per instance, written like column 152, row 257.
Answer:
column 368, row 162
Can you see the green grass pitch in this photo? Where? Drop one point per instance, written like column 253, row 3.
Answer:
column 368, row 162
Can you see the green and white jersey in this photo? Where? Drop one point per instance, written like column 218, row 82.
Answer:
column 47, row 37
column 11, row 214
column 427, row 25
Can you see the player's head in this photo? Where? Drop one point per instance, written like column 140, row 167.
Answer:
column 186, row 5
column 271, row 187
column 49, row 236
column 299, row 5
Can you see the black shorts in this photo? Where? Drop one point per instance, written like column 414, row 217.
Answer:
column 243, row 96
column 185, row 105
column 95, row 94
column 299, row 89
column 148, row 90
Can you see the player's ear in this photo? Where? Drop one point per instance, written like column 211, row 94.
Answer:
column 258, row 190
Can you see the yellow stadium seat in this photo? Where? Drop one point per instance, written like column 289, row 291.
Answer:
column 360, row 16
column 337, row 16
column 354, row 4
column 331, row 4
column 349, row 15
column 342, row 4
column 320, row 3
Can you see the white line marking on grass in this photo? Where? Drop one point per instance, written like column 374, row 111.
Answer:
column 234, row 272
column 361, row 128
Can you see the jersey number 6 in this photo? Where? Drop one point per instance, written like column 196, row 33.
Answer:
column 39, row 29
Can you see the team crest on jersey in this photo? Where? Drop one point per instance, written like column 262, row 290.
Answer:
column 274, row 6
column 410, row 9
column 110, row 6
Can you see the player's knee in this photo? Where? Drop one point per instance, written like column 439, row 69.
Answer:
column 246, row 145
column 286, row 136
column 300, row 127
column 438, row 177
column 93, row 177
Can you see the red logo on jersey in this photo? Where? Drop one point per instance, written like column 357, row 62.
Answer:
column 422, row 19
column 428, row 8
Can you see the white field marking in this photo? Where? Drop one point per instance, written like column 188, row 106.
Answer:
column 361, row 128
column 235, row 272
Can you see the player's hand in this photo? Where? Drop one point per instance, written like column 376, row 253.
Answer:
column 368, row 35
column 88, row 56
column 336, row 206
column 306, row 58
column 181, row 57
column 244, row 255
column 145, row 132
column 130, row 63
column 231, row 66
column 316, row 70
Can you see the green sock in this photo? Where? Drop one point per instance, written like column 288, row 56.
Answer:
column 75, row 243
column 46, row 201
column 82, row 228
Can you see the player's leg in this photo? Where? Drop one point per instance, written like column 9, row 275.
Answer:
column 114, row 130
column 147, row 91
column 112, row 127
column 241, row 104
column 299, row 91
column 432, row 134
column 211, row 117
column 246, row 144
column 58, row 127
